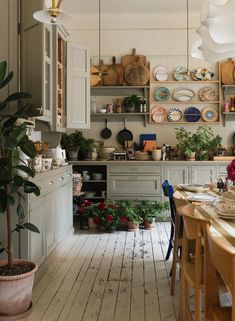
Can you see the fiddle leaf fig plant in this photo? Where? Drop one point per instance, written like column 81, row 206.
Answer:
column 13, row 138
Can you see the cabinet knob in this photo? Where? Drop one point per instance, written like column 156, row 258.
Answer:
column 61, row 178
column 69, row 175
column 51, row 183
column 39, row 109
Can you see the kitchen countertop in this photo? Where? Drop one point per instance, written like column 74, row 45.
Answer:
column 135, row 162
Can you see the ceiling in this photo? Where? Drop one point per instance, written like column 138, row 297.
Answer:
column 130, row 6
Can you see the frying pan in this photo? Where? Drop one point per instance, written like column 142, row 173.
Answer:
column 124, row 135
column 106, row 132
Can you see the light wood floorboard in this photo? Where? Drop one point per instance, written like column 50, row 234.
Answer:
column 120, row 276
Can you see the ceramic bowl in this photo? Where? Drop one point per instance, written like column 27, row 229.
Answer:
column 228, row 199
column 97, row 176
column 102, row 111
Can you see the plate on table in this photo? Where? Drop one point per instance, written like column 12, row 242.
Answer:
column 202, row 74
column 224, row 215
column 209, row 114
column 180, row 74
column 194, row 187
column 175, row 115
column 192, row 114
column 207, row 94
column 162, row 94
column 183, row 94
column 160, row 73
column 201, row 197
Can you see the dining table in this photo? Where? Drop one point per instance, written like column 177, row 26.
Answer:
column 222, row 228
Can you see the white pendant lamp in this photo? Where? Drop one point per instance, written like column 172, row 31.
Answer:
column 53, row 15
column 196, row 51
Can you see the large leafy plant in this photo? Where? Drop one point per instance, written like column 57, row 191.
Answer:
column 13, row 138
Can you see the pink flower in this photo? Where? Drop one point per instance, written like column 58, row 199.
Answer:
column 109, row 218
column 123, row 219
column 101, row 206
column 231, row 171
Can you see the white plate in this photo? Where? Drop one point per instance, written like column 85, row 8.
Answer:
column 202, row 198
column 222, row 211
column 225, row 216
column 194, row 187
column 160, row 73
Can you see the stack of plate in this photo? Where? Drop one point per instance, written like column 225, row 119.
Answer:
column 142, row 156
column 224, row 212
column 106, row 153
column 197, row 188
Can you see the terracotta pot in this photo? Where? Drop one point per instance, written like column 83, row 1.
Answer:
column 132, row 226
column 92, row 224
column 148, row 225
column 16, row 291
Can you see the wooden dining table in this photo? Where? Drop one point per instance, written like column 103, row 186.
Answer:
column 222, row 229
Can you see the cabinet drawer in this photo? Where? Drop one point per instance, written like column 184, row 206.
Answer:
column 222, row 170
column 135, row 185
column 143, row 169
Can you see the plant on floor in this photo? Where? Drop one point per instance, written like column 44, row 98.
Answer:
column 203, row 142
column 128, row 209
column 13, row 139
column 149, row 210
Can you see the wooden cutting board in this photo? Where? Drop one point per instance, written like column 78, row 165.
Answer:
column 111, row 78
column 128, row 59
column 137, row 74
column 228, row 72
column 120, row 71
column 94, row 79
column 103, row 68
column 224, row 158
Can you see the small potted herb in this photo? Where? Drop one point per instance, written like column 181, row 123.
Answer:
column 131, row 103
column 87, row 146
column 128, row 208
column 149, row 210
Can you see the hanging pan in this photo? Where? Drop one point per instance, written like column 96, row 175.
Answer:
column 124, row 135
column 106, row 132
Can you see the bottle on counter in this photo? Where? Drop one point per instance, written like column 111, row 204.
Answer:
column 226, row 107
column 144, row 106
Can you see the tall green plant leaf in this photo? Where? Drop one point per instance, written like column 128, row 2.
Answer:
column 30, row 187
column 14, row 97
column 19, row 133
column 6, row 80
column 3, row 201
column 31, row 227
column 9, row 143
column 25, row 169
column 20, row 211
column 3, row 70
column 28, row 148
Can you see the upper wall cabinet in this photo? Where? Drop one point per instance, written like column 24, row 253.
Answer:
column 55, row 72
column 78, row 86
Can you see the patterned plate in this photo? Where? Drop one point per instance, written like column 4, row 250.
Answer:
column 159, row 114
column 183, row 94
column 180, row 73
column 202, row 74
column 207, row 94
column 209, row 114
column 175, row 115
column 162, row 94
column 192, row 114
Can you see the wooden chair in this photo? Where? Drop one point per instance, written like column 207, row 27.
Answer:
column 192, row 267
column 168, row 192
column 221, row 259
column 178, row 237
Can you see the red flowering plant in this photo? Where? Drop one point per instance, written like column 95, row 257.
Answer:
column 110, row 218
column 231, row 171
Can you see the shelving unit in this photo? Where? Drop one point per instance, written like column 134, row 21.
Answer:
column 114, row 92
column 194, row 85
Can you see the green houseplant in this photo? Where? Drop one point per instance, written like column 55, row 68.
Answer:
column 15, row 298
column 200, row 145
column 87, row 146
column 149, row 210
column 71, row 143
column 131, row 103
column 128, row 210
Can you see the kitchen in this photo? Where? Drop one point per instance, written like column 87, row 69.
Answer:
column 120, row 33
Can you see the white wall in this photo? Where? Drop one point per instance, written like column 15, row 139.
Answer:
column 162, row 38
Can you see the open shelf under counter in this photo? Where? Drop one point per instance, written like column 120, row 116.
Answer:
column 95, row 181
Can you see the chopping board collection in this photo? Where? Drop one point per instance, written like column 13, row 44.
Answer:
column 132, row 71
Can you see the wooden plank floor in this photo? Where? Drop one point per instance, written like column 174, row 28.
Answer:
column 120, row 276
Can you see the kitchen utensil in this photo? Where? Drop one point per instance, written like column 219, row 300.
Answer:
column 180, row 74
column 128, row 59
column 120, row 71
column 209, row 114
column 175, row 115
column 160, row 73
column 162, row 94
column 94, row 79
column 202, row 74
column 111, row 77
column 183, row 94
column 136, row 73
column 207, row 94
column 102, row 68
column 106, row 132
column 124, row 135
column 228, row 72
column 192, row 114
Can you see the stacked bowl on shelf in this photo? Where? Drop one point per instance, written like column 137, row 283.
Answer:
column 106, row 153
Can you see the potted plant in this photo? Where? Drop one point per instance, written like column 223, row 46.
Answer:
column 87, row 146
column 16, row 276
column 149, row 210
column 131, row 103
column 91, row 211
column 128, row 209
column 199, row 145
column 71, row 143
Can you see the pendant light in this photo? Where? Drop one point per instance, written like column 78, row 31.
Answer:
column 187, row 26
column 99, row 72
column 53, row 15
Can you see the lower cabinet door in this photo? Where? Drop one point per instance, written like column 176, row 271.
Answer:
column 202, row 174
column 176, row 174
column 50, row 221
column 37, row 249
column 135, row 185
